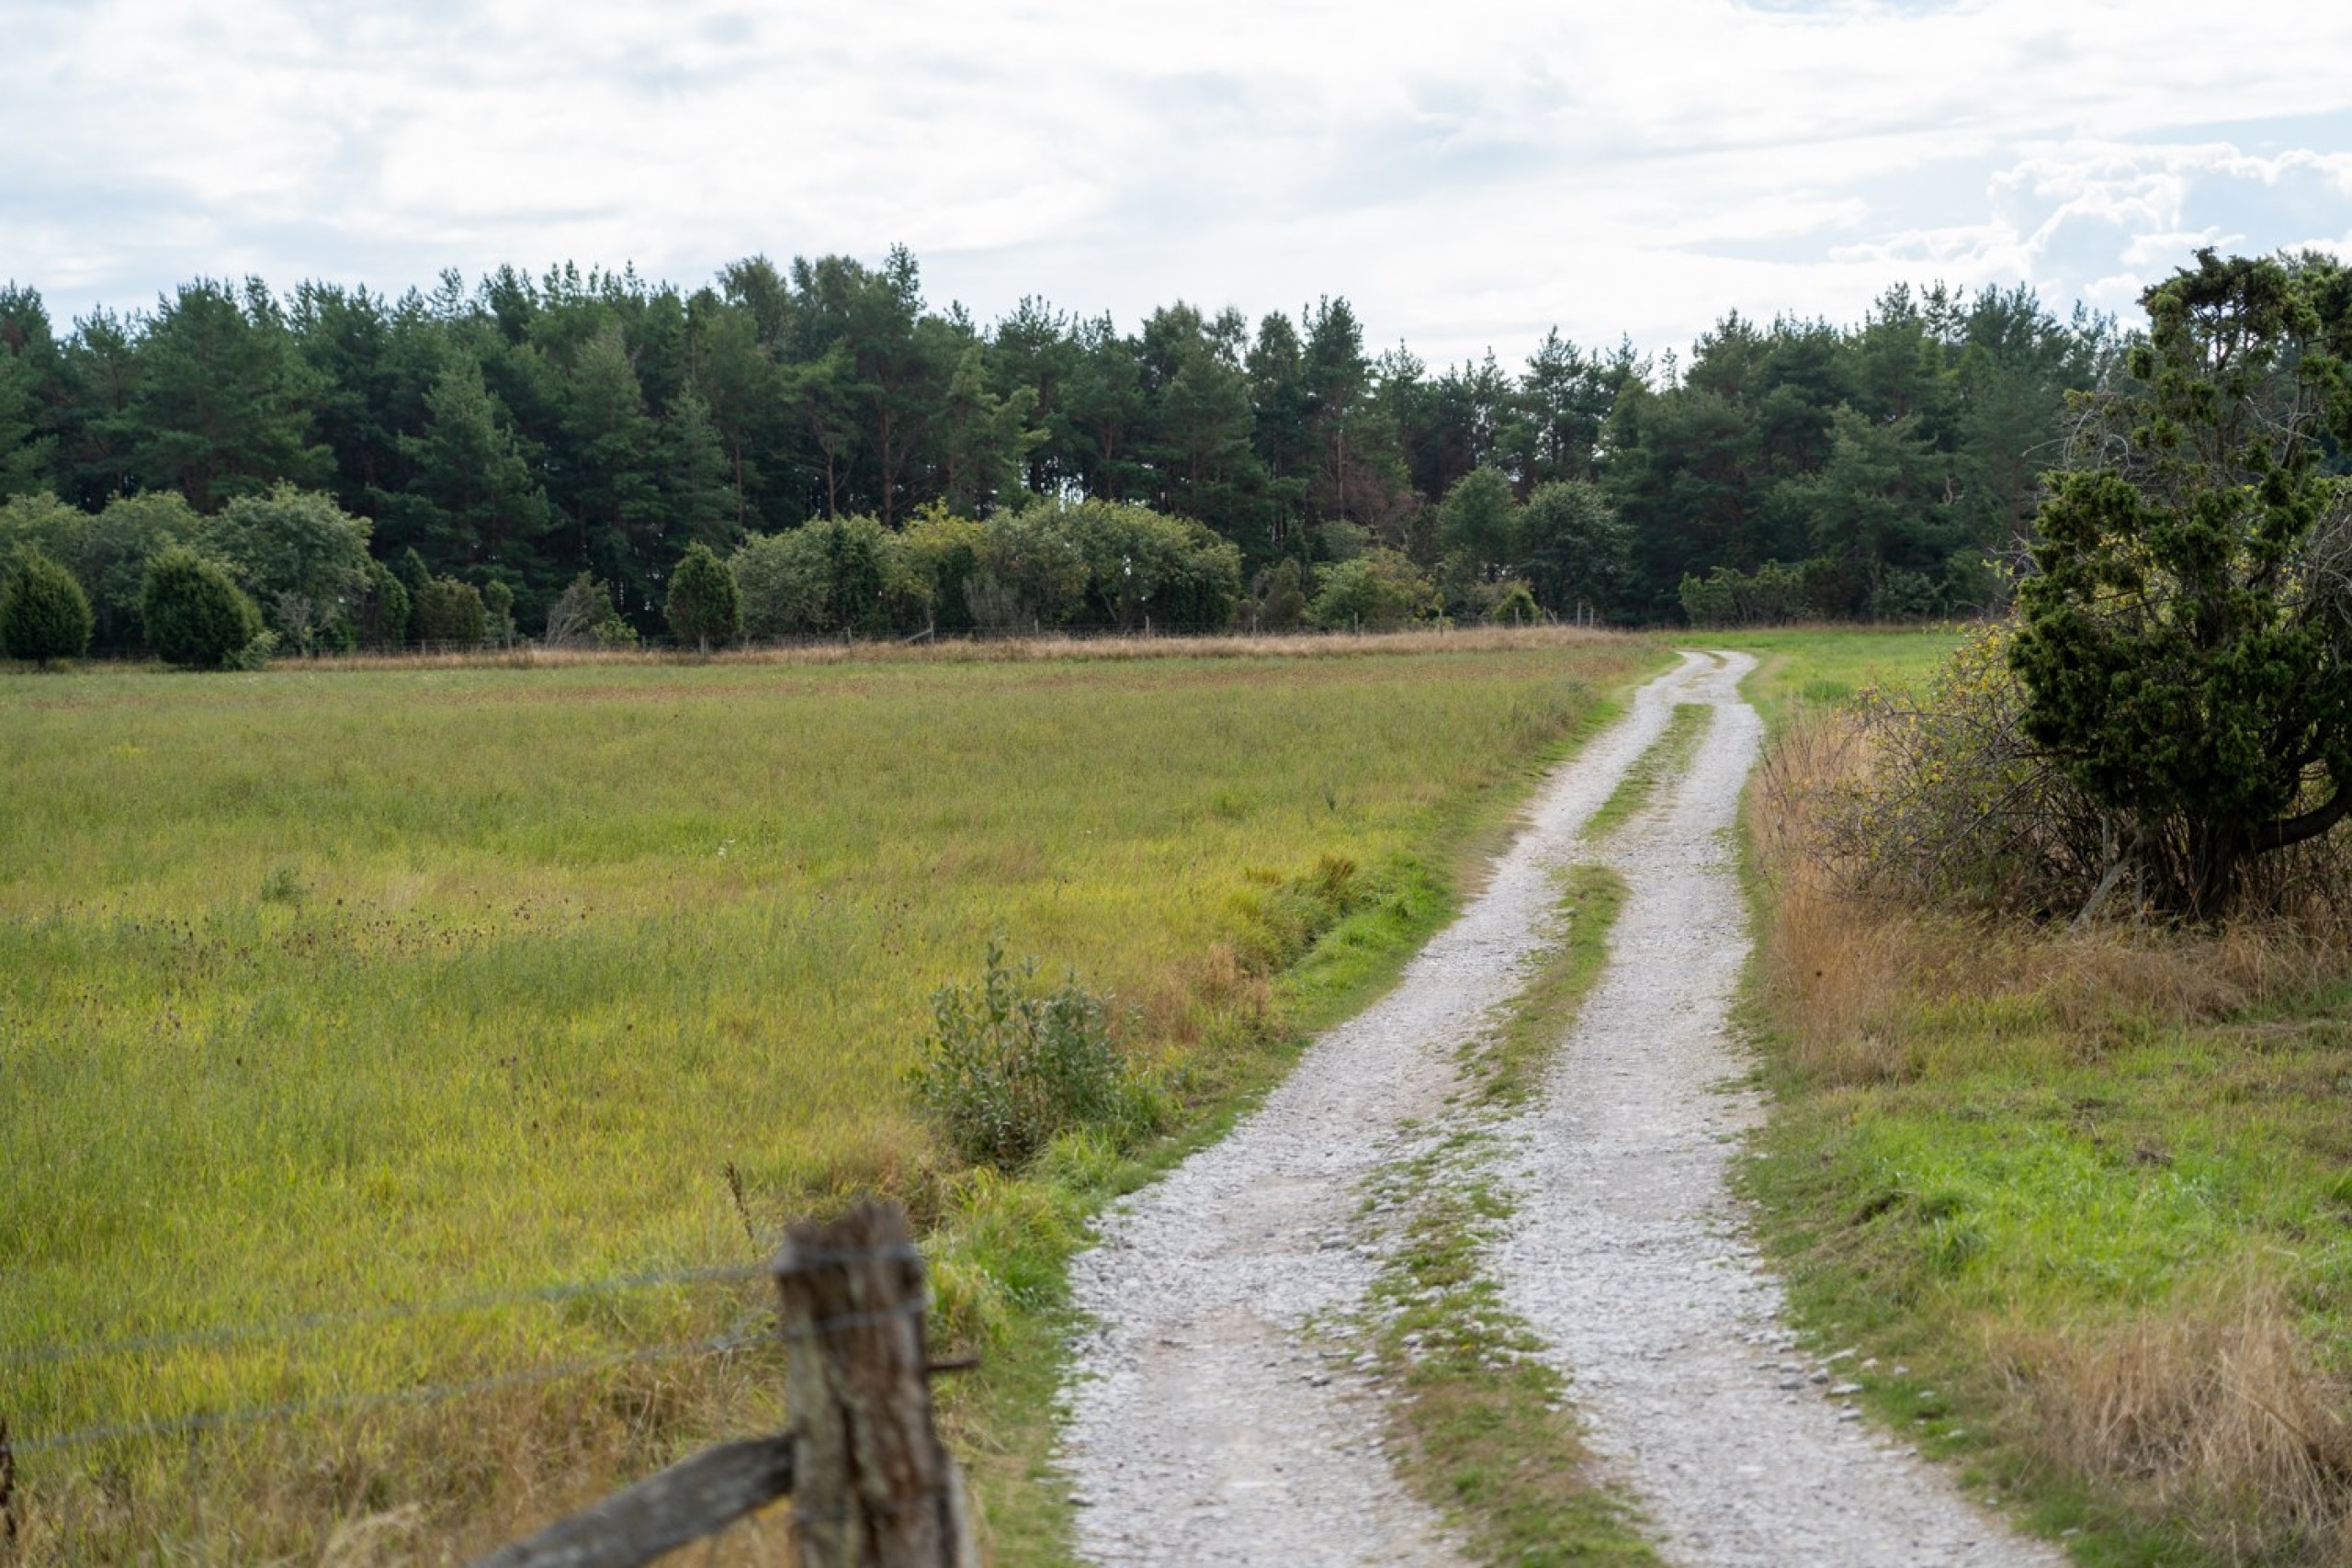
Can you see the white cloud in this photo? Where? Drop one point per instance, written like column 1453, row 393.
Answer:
column 1468, row 176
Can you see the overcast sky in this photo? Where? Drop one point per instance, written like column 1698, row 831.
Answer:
column 1467, row 173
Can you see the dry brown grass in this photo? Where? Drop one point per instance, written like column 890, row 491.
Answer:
column 1017, row 649
column 438, row 1484
column 2211, row 1412
column 1853, row 973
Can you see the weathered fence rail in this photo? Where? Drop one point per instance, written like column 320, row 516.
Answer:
column 871, row 1485
column 692, row 1499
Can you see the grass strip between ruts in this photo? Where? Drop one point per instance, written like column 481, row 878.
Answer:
column 1481, row 1426
column 1665, row 757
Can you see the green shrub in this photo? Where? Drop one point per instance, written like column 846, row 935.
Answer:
column 2186, row 638
column 414, row 576
column 44, row 615
column 1515, row 606
column 383, row 608
column 583, row 615
column 106, row 553
column 1771, row 595
column 702, row 607
column 1010, row 1065
column 829, row 576
column 301, row 558
column 1379, row 590
column 195, row 614
column 451, row 614
column 943, row 551
column 498, row 606
column 1951, row 805
column 1282, row 597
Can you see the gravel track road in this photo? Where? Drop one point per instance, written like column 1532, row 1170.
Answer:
column 1206, row 1427
column 1626, row 1256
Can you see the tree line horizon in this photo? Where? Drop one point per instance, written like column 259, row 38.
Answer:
column 530, row 430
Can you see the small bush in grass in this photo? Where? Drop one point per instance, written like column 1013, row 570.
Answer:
column 44, row 615
column 1010, row 1064
column 195, row 614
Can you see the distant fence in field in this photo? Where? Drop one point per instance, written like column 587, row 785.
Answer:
column 526, row 650
column 872, row 1486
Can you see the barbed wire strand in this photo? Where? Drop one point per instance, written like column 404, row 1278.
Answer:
column 357, row 1403
column 735, row 1338
column 310, row 1323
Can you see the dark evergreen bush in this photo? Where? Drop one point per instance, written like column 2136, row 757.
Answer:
column 450, row 614
column 702, row 607
column 44, row 615
column 2185, row 643
column 384, row 609
column 195, row 616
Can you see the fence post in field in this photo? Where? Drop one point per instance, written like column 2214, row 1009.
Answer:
column 873, row 1486
column 7, row 1487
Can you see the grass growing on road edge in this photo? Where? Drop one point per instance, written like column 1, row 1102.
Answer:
column 1481, row 1423
column 1665, row 758
column 2082, row 1201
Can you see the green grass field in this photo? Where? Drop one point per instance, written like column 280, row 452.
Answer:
column 1827, row 666
column 333, row 992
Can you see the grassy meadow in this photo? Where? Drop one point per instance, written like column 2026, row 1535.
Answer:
column 326, row 994
column 2080, row 1200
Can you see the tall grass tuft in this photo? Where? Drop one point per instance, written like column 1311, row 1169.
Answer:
column 2213, row 1411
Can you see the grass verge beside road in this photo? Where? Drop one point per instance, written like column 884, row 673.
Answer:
column 2082, row 1201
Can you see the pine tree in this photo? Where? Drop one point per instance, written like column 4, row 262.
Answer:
column 481, row 502
column 2187, row 647
column 220, row 406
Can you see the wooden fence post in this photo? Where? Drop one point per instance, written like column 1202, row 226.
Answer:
column 873, row 1487
column 7, row 1488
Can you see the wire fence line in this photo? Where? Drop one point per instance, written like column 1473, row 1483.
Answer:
column 353, row 1403
column 847, row 1324
column 310, row 1323
column 523, row 648
column 750, row 1328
